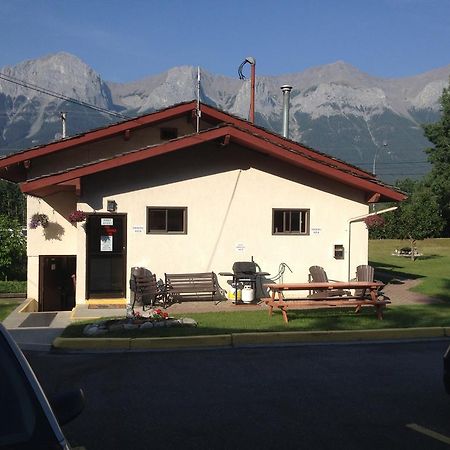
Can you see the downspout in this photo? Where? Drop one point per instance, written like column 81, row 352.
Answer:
column 357, row 219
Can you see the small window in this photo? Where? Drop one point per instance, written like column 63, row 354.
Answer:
column 166, row 220
column 290, row 221
column 166, row 134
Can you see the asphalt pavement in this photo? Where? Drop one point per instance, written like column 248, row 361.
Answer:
column 335, row 396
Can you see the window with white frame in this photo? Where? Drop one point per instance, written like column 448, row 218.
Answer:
column 290, row 221
column 166, row 220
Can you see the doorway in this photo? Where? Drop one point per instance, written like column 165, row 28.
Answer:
column 57, row 283
column 106, row 256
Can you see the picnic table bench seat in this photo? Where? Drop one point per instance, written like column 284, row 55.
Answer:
column 191, row 286
column 327, row 302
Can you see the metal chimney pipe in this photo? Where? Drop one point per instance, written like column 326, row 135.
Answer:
column 286, row 96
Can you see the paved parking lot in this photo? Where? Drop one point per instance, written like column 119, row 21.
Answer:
column 360, row 396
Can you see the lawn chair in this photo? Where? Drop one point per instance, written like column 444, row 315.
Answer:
column 367, row 273
column 145, row 288
column 317, row 274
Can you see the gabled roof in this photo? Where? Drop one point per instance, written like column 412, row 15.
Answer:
column 230, row 128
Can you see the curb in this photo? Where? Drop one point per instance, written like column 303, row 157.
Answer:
column 236, row 340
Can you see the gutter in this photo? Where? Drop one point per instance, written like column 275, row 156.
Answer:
column 357, row 219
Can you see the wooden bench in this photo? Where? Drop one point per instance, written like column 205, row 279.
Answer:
column 190, row 286
column 337, row 302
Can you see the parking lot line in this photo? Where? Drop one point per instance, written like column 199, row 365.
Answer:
column 428, row 432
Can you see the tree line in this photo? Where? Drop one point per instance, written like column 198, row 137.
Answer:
column 426, row 212
column 12, row 238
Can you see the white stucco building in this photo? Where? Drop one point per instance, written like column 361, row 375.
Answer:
column 160, row 195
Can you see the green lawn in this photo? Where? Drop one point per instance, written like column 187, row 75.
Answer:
column 299, row 320
column 432, row 268
column 6, row 308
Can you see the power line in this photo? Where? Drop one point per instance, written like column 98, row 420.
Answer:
column 51, row 93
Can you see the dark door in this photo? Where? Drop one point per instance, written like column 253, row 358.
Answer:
column 57, row 283
column 106, row 254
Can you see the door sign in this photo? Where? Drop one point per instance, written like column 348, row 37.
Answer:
column 106, row 243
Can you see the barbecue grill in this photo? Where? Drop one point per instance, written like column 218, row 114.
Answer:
column 244, row 273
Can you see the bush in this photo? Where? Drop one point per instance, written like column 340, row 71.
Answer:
column 13, row 287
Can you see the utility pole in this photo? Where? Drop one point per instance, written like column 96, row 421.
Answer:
column 252, row 61
column 63, row 121
column 376, row 156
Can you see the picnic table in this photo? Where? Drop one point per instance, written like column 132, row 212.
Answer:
column 366, row 293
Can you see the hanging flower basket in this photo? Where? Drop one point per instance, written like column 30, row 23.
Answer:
column 77, row 216
column 375, row 221
column 39, row 220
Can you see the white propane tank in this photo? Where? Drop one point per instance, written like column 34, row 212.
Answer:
column 248, row 294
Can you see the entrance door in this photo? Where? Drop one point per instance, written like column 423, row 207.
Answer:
column 57, row 283
column 106, row 255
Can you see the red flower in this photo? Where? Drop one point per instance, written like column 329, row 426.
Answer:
column 375, row 221
column 77, row 216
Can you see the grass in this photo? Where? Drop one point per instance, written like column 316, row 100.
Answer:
column 6, row 308
column 431, row 268
column 13, row 287
column 299, row 320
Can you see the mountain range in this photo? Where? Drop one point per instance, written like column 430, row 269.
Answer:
column 371, row 122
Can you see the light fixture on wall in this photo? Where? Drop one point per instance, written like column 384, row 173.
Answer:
column 338, row 252
column 111, row 206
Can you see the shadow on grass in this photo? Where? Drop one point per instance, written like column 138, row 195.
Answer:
column 387, row 273
column 426, row 257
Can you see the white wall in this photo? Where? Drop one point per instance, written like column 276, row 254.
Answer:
column 229, row 205
column 59, row 238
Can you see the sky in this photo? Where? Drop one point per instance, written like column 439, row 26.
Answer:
column 128, row 40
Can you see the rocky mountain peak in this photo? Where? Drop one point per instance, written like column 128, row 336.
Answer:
column 335, row 108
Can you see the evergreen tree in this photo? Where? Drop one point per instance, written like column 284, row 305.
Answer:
column 12, row 201
column 439, row 156
column 416, row 218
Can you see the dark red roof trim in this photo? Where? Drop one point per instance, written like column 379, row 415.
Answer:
column 238, row 135
column 98, row 134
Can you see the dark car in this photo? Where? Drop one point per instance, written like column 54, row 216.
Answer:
column 447, row 371
column 27, row 421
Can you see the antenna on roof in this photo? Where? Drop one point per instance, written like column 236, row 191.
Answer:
column 252, row 61
column 198, row 113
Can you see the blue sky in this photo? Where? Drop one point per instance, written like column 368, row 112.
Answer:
column 129, row 40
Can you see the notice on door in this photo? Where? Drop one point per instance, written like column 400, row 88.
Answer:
column 106, row 243
column 107, row 221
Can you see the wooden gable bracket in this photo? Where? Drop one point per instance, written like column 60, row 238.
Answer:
column 75, row 183
column 192, row 117
column 127, row 135
column 226, row 140
column 374, row 197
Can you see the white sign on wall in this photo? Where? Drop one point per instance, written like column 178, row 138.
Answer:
column 240, row 247
column 108, row 221
column 316, row 230
column 138, row 228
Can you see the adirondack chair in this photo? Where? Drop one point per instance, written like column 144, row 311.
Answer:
column 367, row 273
column 317, row 274
column 145, row 288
